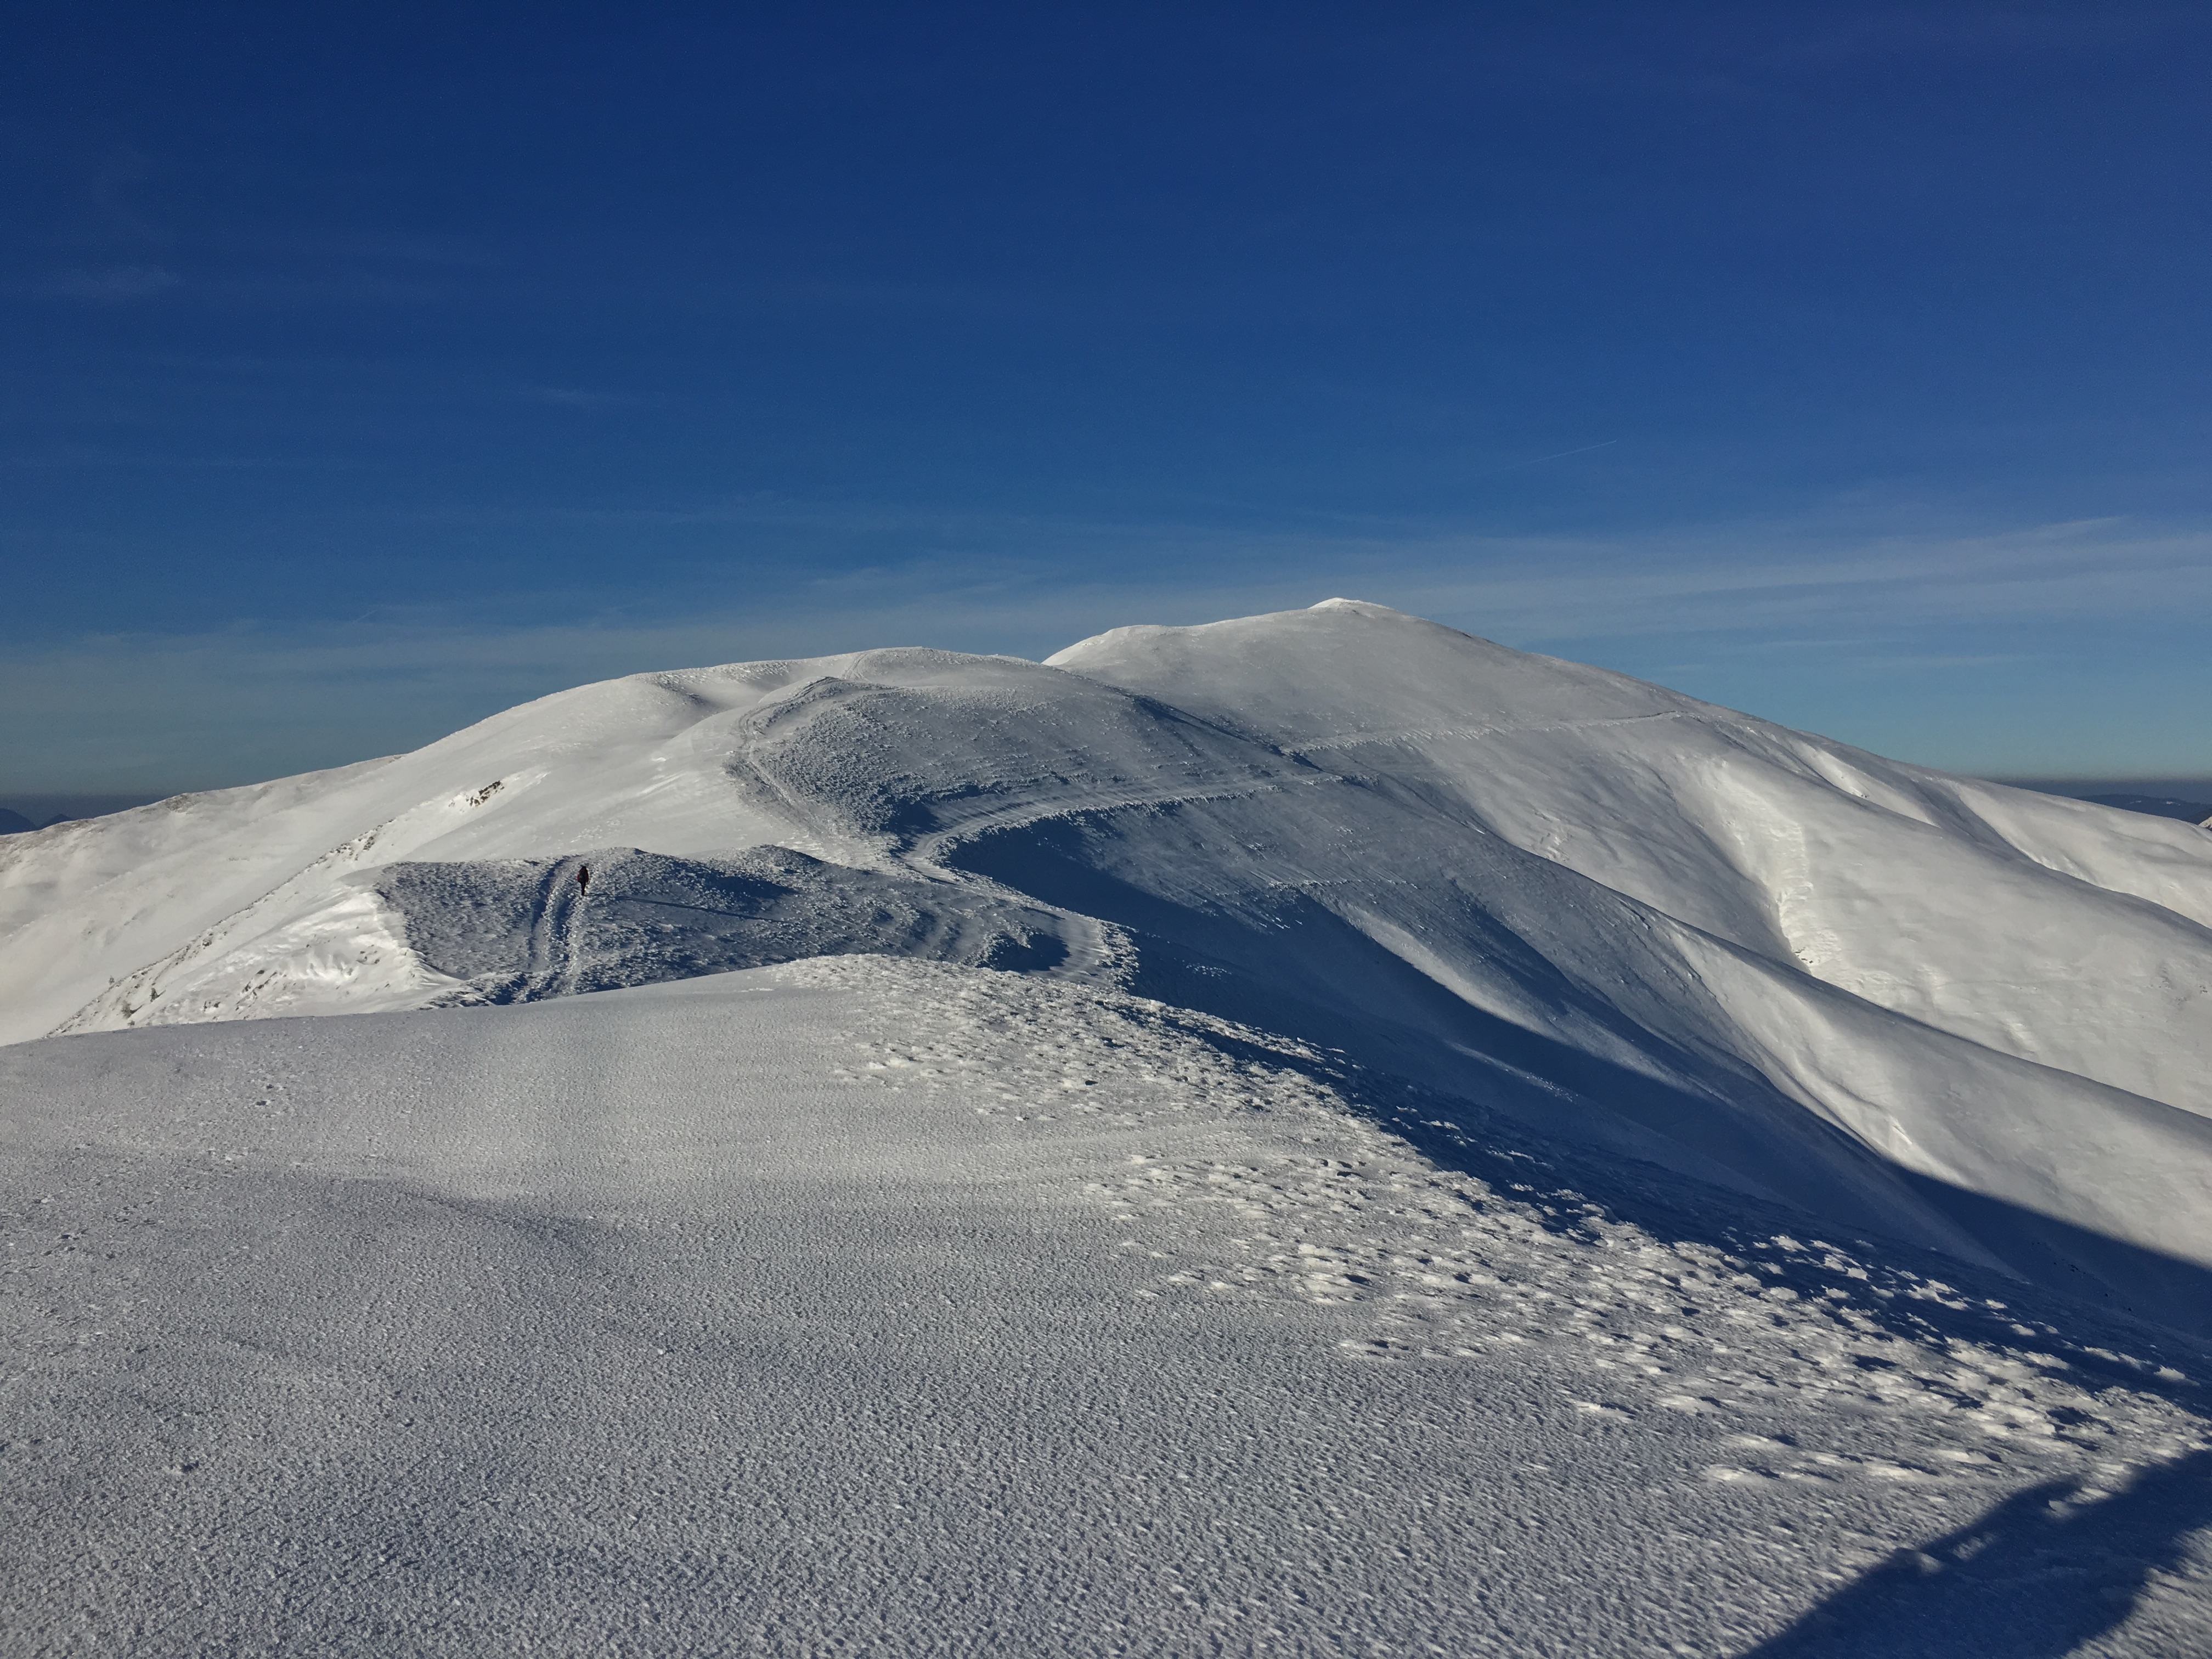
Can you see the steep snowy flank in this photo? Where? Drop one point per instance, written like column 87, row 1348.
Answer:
column 1965, row 1016
column 1927, row 893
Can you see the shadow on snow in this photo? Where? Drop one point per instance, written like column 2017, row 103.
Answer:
column 2043, row 1572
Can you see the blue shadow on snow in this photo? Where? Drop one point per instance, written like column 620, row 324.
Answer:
column 2034, row 1578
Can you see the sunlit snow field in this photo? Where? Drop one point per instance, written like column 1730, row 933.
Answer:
column 1316, row 1135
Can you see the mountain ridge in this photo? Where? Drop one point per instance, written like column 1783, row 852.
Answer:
column 1624, row 915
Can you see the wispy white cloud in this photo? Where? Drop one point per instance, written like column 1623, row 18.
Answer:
column 1968, row 32
column 570, row 396
column 1757, row 579
column 91, row 457
column 1773, row 599
column 111, row 282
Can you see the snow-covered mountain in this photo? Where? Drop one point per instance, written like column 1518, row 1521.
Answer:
column 1315, row 1134
column 1962, row 1015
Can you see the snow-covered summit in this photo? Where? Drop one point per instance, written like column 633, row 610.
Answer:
column 1969, row 1016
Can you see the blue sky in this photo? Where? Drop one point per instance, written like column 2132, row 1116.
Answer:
column 370, row 369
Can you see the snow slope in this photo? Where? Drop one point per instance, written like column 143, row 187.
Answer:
column 1315, row 1134
column 1961, row 1016
column 875, row 1306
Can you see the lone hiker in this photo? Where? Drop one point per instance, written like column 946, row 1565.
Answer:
column 583, row 878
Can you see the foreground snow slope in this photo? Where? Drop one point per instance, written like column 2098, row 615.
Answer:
column 1959, row 1015
column 876, row 1306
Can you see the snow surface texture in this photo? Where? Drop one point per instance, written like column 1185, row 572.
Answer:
column 1453, row 1116
column 868, row 1305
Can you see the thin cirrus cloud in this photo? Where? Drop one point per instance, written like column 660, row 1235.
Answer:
column 2060, row 574
column 1533, row 589
column 112, row 282
column 1877, row 642
column 578, row 398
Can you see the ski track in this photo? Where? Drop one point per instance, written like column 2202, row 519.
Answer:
column 551, row 967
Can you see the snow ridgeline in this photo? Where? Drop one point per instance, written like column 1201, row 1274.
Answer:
column 1963, row 1015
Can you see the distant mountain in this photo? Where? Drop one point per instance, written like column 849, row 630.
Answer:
column 13, row 823
column 1755, row 956
column 2157, row 806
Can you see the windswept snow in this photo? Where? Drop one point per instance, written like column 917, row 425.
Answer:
column 1294, row 1135
column 867, row 1305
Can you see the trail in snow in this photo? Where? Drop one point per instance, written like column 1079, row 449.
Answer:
column 552, row 967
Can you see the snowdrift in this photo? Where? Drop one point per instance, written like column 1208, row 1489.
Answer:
column 1967, row 1016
